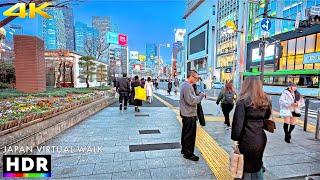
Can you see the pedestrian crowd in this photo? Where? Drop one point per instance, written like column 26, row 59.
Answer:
column 134, row 91
column 252, row 116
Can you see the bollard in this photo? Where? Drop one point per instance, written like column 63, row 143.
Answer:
column 306, row 114
column 318, row 126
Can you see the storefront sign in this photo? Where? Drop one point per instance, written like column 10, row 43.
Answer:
column 122, row 40
column 311, row 58
column 142, row 57
column 112, row 38
column 134, row 55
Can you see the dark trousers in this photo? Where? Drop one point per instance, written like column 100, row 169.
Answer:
column 226, row 109
column 123, row 97
column 188, row 135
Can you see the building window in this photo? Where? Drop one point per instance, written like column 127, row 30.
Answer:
column 284, row 44
column 291, row 47
column 299, row 62
column 318, row 43
column 214, row 10
column 283, row 63
column 290, row 62
column 300, row 45
column 310, row 43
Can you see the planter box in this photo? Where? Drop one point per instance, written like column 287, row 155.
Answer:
column 38, row 131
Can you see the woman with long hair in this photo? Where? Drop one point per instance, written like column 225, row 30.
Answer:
column 290, row 103
column 227, row 97
column 149, row 88
column 137, row 103
column 252, row 108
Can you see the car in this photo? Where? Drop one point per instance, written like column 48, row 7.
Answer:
column 218, row 85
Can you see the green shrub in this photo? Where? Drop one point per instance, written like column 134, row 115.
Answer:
column 4, row 85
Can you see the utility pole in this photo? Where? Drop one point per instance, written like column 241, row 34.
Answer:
column 263, row 43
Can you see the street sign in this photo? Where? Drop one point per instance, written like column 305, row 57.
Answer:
column 266, row 24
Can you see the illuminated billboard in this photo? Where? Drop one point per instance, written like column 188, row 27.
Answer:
column 269, row 54
column 134, row 55
column 122, row 40
column 112, row 38
column 142, row 57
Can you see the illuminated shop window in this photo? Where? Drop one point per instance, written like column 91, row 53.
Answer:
column 318, row 43
column 310, row 43
column 299, row 62
column 300, row 45
column 291, row 47
column 285, row 49
column 290, row 62
column 282, row 63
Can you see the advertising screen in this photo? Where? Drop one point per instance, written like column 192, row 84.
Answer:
column 269, row 54
column 198, row 43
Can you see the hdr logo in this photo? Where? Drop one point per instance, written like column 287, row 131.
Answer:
column 26, row 166
column 23, row 7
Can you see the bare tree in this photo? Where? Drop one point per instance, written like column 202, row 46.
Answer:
column 55, row 4
column 95, row 48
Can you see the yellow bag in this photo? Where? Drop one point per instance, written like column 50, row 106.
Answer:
column 140, row 93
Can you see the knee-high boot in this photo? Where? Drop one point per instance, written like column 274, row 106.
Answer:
column 286, row 132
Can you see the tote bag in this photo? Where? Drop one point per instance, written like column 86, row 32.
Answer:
column 236, row 163
column 140, row 93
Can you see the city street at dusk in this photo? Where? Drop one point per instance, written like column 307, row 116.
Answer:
column 160, row 89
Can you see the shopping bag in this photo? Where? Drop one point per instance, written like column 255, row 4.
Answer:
column 219, row 110
column 236, row 163
column 140, row 93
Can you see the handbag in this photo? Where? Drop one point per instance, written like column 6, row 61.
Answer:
column 140, row 93
column 236, row 163
column 269, row 124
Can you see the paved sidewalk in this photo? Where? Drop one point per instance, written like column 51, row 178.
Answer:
column 115, row 131
column 282, row 160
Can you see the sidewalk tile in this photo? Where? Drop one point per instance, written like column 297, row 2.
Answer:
column 180, row 172
column 96, row 158
column 286, row 160
column 140, row 174
column 127, row 156
column 163, row 153
column 65, row 160
column 120, row 166
column 69, row 171
column 115, row 149
column 147, row 164
column 180, row 161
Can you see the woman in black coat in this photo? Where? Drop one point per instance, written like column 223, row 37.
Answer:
column 200, row 114
column 136, row 102
column 252, row 108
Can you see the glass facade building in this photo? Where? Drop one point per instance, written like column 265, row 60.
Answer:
column 85, row 36
column 58, row 32
column 289, row 9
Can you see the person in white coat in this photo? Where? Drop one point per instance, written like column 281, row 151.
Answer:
column 290, row 103
column 149, row 89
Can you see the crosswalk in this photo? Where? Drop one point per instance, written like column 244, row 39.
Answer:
column 311, row 113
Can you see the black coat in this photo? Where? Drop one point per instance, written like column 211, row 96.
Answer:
column 247, row 128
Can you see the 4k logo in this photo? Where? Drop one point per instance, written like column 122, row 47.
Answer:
column 33, row 10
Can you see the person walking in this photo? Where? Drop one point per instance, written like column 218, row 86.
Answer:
column 176, row 86
column 188, row 111
column 169, row 86
column 136, row 102
column 252, row 108
column 123, row 88
column 149, row 89
column 290, row 103
column 227, row 97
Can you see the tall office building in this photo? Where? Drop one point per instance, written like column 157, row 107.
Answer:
column 69, row 28
column 85, row 36
column 151, row 55
column 227, row 49
column 102, row 24
column 58, row 32
column 53, row 30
